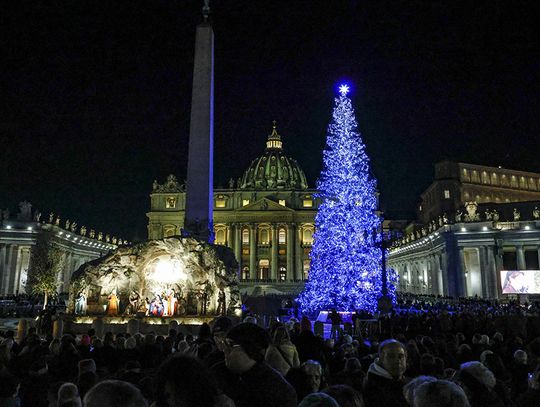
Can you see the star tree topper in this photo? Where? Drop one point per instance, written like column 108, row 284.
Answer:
column 344, row 89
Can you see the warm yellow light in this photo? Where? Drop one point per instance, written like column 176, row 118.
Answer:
column 168, row 271
column 245, row 202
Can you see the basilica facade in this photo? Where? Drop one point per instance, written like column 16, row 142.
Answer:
column 267, row 217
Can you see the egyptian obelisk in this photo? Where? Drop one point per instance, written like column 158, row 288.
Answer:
column 200, row 173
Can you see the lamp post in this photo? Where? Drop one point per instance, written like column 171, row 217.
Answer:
column 383, row 239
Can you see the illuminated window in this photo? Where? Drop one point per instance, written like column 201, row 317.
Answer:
column 264, row 236
column 307, row 236
column 282, row 236
column 305, row 269
column 221, row 236
column 245, row 202
column 307, row 203
column 420, row 208
column 282, row 274
column 220, row 203
column 245, row 236
column 170, row 202
column 523, row 183
column 532, row 184
column 474, row 176
column 494, row 179
column 245, row 273
column 169, row 230
column 282, row 202
column 446, row 194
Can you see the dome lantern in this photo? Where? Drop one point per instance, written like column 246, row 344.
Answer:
column 274, row 139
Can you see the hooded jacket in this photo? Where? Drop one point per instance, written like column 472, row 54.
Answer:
column 382, row 390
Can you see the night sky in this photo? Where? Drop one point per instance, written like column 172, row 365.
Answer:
column 95, row 95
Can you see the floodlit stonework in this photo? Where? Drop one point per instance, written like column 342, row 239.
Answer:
column 267, row 217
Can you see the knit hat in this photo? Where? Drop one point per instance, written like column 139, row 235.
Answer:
column 474, row 373
column 87, row 365
column 318, row 400
column 253, row 339
column 222, row 325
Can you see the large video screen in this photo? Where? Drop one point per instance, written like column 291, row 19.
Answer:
column 520, row 281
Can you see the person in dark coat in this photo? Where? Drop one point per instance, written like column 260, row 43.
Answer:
column 385, row 380
column 245, row 377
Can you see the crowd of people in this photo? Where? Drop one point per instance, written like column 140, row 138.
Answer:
column 428, row 352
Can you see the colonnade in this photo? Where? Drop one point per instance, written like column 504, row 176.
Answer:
column 475, row 269
column 249, row 254
column 14, row 261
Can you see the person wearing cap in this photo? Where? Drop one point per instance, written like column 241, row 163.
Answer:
column 245, row 377
column 385, row 378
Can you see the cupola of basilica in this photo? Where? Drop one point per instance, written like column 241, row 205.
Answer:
column 274, row 170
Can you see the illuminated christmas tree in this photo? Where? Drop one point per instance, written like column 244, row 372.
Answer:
column 346, row 256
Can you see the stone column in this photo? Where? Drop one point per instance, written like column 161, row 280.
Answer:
column 252, row 249
column 290, row 245
column 230, row 241
column 274, row 261
column 3, row 267
column 434, row 275
column 298, row 253
column 238, row 245
column 461, row 280
column 491, row 269
column 520, row 255
column 484, row 272
column 12, row 269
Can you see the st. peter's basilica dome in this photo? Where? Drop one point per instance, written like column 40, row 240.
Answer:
column 274, row 170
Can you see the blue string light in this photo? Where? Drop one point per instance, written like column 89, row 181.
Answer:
column 345, row 271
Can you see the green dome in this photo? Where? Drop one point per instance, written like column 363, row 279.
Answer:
column 274, row 170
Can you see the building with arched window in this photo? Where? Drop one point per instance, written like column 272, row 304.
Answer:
column 267, row 217
column 457, row 183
